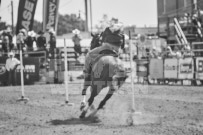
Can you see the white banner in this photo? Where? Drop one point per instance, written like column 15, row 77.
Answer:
column 186, row 68
column 171, row 68
column 199, row 68
column 156, row 68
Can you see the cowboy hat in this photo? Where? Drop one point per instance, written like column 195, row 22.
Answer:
column 24, row 31
column 11, row 54
column 31, row 33
column 76, row 31
column 51, row 31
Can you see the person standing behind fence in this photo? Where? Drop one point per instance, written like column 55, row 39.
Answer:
column 8, row 33
column 41, row 41
column 5, row 44
column 11, row 65
column 21, row 40
column 177, row 52
column 76, row 40
column 52, row 43
column 30, row 40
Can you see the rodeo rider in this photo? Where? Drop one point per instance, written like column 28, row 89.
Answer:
column 113, row 40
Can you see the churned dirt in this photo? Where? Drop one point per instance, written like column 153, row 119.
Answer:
column 176, row 110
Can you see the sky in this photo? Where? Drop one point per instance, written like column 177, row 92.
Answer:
column 130, row 12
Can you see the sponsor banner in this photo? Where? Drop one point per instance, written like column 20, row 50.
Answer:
column 199, row 68
column 186, row 68
column 156, row 68
column 171, row 68
column 50, row 14
column 142, row 68
column 30, row 68
column 26, row 13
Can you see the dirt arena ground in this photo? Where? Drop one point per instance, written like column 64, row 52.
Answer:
column 178, row 111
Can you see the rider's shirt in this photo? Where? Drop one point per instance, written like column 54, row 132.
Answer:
column 76, row 39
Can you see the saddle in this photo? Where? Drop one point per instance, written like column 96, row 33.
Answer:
column 105, row 52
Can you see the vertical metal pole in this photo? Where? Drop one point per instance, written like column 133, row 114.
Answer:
column 21, row 67
column 91, row 14
column 132, row 73
column 177, row 8
column 195, row 4
column 66, row 72
column 12, row 17
column 86, row 16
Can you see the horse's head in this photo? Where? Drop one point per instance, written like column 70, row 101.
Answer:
column 96, row 41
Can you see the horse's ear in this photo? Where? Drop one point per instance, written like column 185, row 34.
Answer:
column 92, row 34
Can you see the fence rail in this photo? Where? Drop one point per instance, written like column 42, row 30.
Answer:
column 171, row 69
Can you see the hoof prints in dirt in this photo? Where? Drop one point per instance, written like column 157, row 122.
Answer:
column 76, row 121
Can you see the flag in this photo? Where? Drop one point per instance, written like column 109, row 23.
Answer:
column 50, row 15
column 26, row 13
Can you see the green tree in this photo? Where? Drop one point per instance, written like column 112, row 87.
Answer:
column 37, row 26
column 66, row 23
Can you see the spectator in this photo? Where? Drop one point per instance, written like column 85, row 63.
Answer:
column 76, row 40
column 8, row 33
column 21, row 39
column 167, row 53
column 30, row 40
column 41, row 41
column 153, row 53
column 11, row 65
column 186, row 51
column 10, row 36
column 52, row 40
column 52, row 43
column 5, row 44
column 177, row 52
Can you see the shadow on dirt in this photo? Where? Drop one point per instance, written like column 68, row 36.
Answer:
column 77, row 121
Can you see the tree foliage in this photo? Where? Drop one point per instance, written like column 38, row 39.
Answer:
column 66, row 23
column 37, row 26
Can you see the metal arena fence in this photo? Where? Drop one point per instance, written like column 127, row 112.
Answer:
column 154, row 71
column 164, row 71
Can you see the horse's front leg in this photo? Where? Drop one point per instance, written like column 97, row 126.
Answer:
column 90, row 101
column 86, row 84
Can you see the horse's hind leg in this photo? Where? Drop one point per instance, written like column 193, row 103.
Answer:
column 107, row 97
column 103, row 102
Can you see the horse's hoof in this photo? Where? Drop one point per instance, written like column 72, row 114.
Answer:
column 93, row 113
column 92, row 107
column 82, row 106
column 83, row 114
